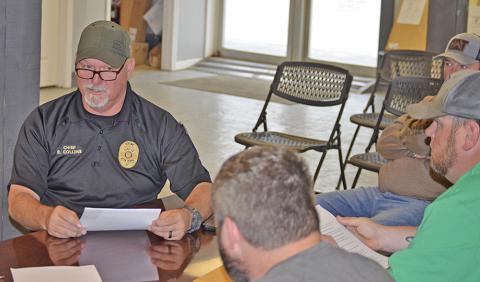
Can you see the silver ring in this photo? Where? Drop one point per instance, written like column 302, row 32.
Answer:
column 170, row 234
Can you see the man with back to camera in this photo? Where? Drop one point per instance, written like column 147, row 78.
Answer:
column 268, row 227
column 446, row 245
column 104, row 146
column 406, row 185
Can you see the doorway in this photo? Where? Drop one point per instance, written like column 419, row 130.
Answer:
column 62, row 23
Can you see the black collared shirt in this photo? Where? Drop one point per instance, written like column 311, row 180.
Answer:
column 72, row 158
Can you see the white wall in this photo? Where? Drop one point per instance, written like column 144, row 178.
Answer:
column 84, row 13
column 191, row 29
column 183, row 38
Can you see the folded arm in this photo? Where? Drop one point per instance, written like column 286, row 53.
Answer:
column 404, row 138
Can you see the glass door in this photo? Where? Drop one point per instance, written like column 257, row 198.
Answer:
column 256, row 30
column 340, row 32
column 345, row 31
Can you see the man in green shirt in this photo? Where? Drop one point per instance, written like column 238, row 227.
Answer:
column 446, row 245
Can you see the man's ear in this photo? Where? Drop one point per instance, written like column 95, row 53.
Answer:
column 233, row 239
column 130, row 66
column 472, row 136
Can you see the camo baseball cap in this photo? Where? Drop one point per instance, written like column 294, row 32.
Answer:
column 105, row 41
column 458, row 97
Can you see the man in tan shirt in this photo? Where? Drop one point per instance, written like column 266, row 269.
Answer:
column 406, row 183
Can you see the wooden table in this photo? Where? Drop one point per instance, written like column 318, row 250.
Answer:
column 127, row 255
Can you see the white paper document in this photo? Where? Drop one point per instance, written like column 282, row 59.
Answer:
column 345, row 239
column 154, row 17
column 56, row 274
column 411, row 12
column 95, row 219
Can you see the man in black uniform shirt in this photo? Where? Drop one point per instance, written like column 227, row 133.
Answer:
column 104, row 146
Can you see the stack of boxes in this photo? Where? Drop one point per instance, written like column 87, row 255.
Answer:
column 131, row 18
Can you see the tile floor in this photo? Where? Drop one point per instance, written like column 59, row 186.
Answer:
column 212, row 121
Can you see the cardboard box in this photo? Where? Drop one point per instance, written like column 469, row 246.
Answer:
column 131, row 18
column 139, row 51
column 155, row 57
column 155, row 61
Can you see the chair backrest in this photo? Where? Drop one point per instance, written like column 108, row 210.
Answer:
column 404, row 91
column 399, row 63
column 311, row 83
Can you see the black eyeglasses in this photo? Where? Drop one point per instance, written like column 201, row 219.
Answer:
column 108, row 75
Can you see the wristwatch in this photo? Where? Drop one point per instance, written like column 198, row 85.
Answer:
column 196, row 219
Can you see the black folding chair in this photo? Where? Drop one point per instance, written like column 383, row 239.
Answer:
column 402, row 92
column 395, row 63
column 310, row 84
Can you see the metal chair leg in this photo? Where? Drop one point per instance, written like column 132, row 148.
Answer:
column 373, row 141
column 342, row 170
column 354, row 137
column 317, row 171
column 345, row 161
column 357, row 176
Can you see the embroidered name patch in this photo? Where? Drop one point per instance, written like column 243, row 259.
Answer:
column 128, row 154
column 69, row 150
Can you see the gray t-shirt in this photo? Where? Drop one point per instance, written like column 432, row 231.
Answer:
column 325, row 262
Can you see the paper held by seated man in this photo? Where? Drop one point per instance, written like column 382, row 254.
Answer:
column 345, row 239
column 101, row 219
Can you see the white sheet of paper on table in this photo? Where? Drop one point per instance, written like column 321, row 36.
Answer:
column 56, row 274
column 100, row 219
column 345, row 239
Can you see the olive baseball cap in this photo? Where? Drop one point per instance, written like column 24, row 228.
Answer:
column 463, row 48
column 105, row 41
column 459, row 96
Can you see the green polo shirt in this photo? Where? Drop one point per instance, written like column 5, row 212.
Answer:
column 447, row 244
column 72, row 158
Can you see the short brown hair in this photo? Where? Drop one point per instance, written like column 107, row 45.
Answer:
column 268, row 193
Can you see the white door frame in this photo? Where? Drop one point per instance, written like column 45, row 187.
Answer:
column 65, row 36
column 212, row 29
column 171, row 12
column 170, row 34
column 66, row 45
